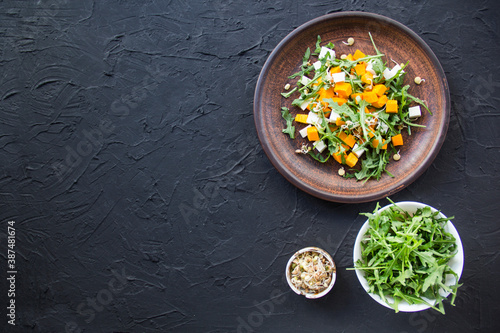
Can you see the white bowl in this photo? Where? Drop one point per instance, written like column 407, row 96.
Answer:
column 456, row 263
column 289, row 278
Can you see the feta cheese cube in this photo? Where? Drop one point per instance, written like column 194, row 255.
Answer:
column 387, row 74
column 319, row 145
column 414, row 112
column 333, row 116
column 312, row 118
column 324, row 51
column 305, row 80
column 317, row 65
column 395, row 69
column 338, row 77
column 303, row 132
column 357, row 151
column 304, row 104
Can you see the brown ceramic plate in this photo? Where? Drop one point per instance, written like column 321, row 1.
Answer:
column 394, row 40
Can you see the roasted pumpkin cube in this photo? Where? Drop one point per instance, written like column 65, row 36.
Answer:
column 370, row 97
column 375, row 144
column 338, row 157
column 335, row 69
column 360, row 69
column 312, row 133
column 350, row 140
column 343, row 89
column 301, row 118
column 367, row 78
column 351, row 160
column 358, row 55
column 326, row 93
column 380, row 102
column 397, row 140
column 391, row 106
column 379, row 89
column 339, row 100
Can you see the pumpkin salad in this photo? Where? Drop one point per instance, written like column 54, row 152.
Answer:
column 352, row 108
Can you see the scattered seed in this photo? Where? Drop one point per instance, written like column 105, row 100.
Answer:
column 344, row 56
column 287, row 86
column 341, row 171
column 419, row 80
column 396, row 157
column 304, row 149
column 350, row 41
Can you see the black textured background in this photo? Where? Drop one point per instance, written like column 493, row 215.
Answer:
column 143, row 201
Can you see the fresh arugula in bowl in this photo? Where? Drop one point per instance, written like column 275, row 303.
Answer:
column 405, row 257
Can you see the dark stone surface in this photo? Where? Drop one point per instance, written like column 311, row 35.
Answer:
column 143, row 201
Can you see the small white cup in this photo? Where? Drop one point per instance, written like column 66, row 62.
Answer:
column 289, row 273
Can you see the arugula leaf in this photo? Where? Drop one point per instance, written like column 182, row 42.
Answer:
column 298, row 101
column 434, row 276
column 286, row 95
column 373, row 165
column 373, row 43
column 378, row 66
column 290, row 129
column 306, row 57
column 305, row 68
column 427, row 258
column 318, row 157
column 318, row 46
column 339, row 109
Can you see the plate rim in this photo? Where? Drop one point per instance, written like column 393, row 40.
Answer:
column 451, row 229
column 396, row 186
